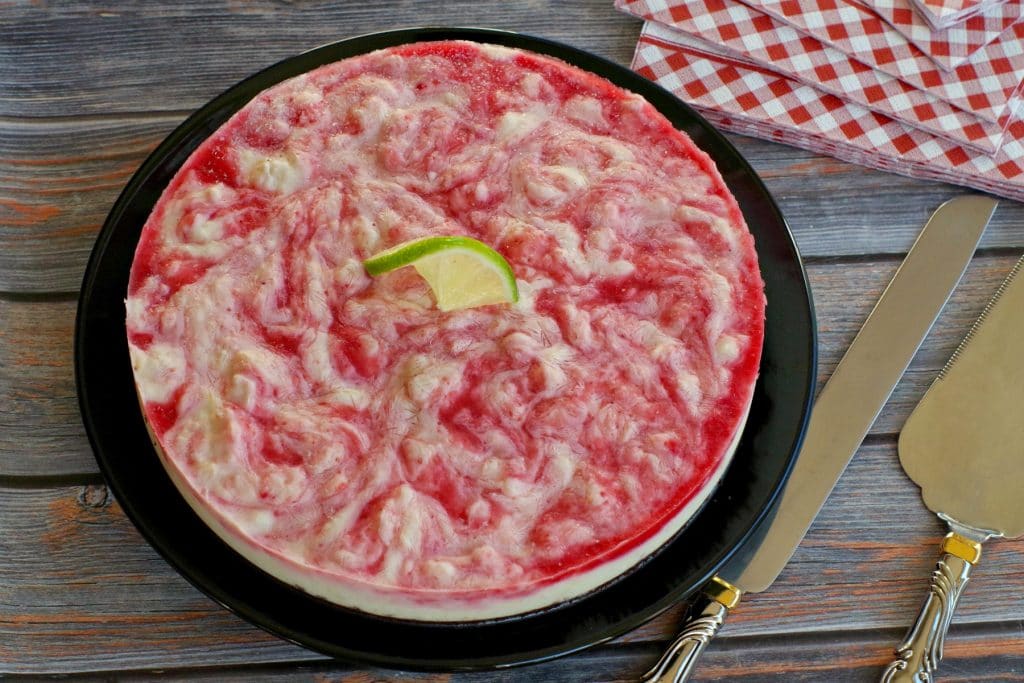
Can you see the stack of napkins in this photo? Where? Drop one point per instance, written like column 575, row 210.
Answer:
column 868, row 81
column 942, row 14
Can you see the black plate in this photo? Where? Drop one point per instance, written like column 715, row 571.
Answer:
column 126, row 457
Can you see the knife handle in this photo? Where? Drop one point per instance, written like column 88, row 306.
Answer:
column 700, row 625
column 919, row 654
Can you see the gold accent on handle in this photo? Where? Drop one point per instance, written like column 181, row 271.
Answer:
column 919, row 654
column 723, row 592
column 700, row 625
column 962, row 547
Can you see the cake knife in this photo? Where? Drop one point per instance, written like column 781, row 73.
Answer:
column 844, row 411
column 964, row 446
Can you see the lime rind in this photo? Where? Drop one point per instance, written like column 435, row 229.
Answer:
column 462, row 272
column 406, row 253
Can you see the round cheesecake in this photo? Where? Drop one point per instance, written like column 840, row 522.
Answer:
column 348, row 437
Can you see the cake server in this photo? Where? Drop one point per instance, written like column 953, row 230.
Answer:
column 964, row 446
column 844, row 411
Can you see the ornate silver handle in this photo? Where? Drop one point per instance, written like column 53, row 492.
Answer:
column 919, row 654
column 701, row 624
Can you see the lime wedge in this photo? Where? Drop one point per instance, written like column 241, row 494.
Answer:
column 461, row 271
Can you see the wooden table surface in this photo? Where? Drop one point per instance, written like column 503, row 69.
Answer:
column 87, row 90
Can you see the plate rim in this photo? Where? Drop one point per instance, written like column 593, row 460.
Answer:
column 240, row 93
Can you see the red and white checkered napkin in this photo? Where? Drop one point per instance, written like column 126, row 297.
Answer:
column 738, row 95
column 983, row 85
column 950, row 47
column 746, row 32
column 942, row 14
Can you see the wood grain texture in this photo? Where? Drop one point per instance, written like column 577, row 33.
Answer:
column 41, row 432
column 975, row 655
column 59, row 179
column 79, row 589
column 71, row 138
column 88, row 89
column 136, row 56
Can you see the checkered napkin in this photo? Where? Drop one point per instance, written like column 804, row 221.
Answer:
column 983, row 85
column 746, row 32
column 942, row 14
column 949, row 47
column 739, row 95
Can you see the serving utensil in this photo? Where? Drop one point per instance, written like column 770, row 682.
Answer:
column 964, row 446
column 841, row 417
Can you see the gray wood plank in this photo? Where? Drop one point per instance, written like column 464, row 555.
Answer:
column 59, row 179
column 41, row 432
column 138, row 56
column 89, row 571
column 113, row 604
column 974, row 654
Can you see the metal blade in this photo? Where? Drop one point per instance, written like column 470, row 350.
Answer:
column 964, row 442
column 851, row 400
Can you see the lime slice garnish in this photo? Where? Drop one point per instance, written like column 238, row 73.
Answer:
column 461, row 271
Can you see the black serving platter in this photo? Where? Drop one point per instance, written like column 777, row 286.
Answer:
column 125, row 454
